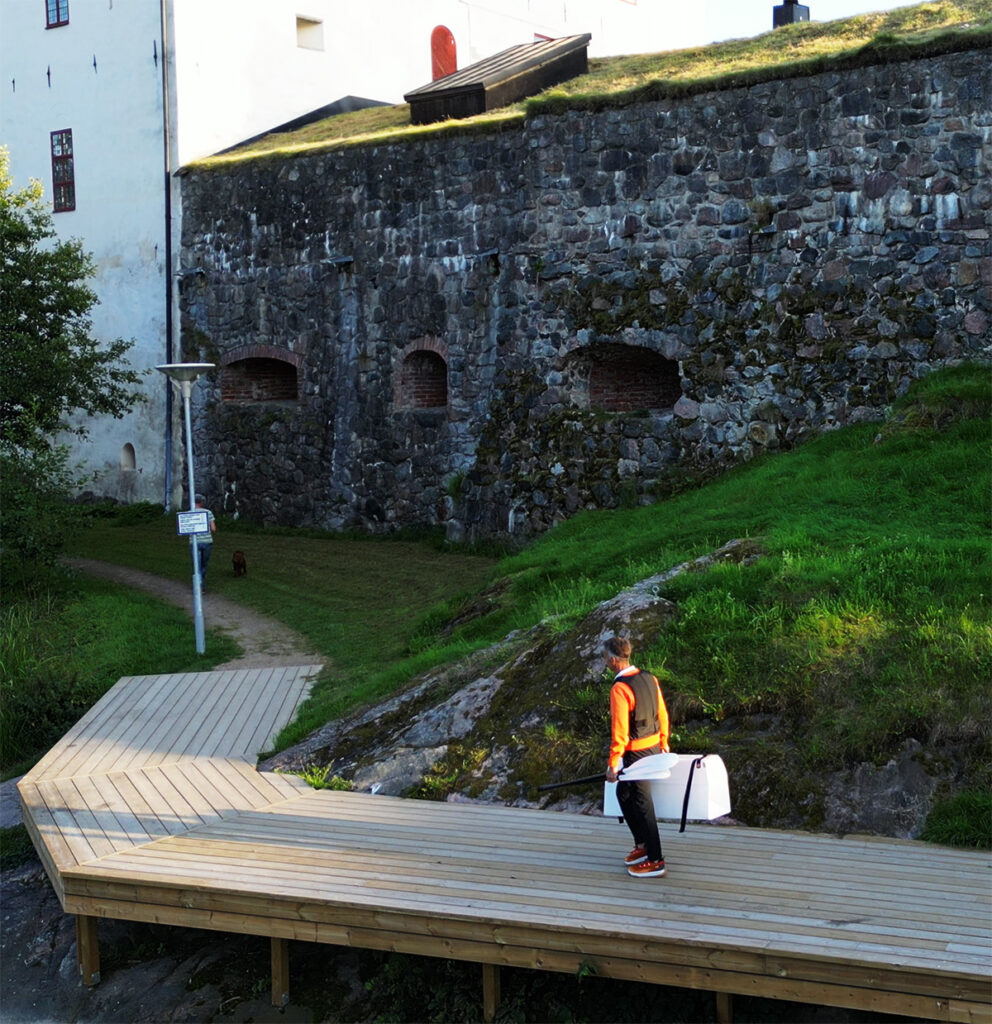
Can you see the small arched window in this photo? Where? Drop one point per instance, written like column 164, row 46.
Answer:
column 128, row 459
column 424, row 381
column 259, row 380
column 444, row 55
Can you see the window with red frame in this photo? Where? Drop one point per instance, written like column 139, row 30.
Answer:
column 63, row 172
column 56, row 13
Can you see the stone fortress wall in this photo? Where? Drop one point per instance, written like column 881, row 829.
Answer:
column 493, row 331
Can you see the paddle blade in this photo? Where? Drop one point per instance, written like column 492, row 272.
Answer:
column 655, row 766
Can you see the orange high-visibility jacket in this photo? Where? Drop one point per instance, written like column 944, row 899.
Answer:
column 622, row 704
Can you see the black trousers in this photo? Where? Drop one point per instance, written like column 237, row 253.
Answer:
column 638, row 807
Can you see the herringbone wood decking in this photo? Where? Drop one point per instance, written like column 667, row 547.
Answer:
column 151, row 809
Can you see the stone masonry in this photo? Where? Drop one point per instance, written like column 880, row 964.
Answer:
column 494, row 331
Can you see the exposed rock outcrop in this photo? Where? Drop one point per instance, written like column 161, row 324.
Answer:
column 492, row 728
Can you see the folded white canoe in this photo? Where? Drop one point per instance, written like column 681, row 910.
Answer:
column 687, row 787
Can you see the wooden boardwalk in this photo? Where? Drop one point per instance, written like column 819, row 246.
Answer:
column 151, row 809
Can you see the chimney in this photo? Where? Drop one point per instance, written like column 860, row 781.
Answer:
column 789, row 12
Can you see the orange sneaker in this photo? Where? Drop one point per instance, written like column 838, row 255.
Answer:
column 638, row 855
column 647, row 869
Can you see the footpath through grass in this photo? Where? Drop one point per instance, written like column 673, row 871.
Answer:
column 357, row 600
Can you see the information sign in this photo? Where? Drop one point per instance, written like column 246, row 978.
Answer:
column 192, row 522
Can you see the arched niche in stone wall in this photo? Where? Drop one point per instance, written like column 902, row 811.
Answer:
column 422, row 379
column 623, row 378
column 260, row 373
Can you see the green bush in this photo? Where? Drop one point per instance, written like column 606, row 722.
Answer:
column 35, row 517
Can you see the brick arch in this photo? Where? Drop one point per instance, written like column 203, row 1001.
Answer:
column 237, row 355
column 421, row 375
column 260, row 373
column 628, row 378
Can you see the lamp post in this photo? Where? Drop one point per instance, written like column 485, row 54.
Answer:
column 184, row 375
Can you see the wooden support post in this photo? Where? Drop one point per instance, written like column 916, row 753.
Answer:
column 490, row 991
column 724, row 1008
column 280, row 972
column 88, row 949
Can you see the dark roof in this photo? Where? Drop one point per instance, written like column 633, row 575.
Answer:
column 501, row 79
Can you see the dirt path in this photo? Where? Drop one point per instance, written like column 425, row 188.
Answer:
column 264, row 642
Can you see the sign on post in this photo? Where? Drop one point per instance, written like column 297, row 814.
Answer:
column 192, row 522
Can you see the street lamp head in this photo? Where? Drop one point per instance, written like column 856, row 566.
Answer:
column 181, row 373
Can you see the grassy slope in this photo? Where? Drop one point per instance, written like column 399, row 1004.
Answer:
column 868, row 618
column 800, row 49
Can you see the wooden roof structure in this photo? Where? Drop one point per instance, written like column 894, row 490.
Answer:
column 497, row 81
column 151, row 809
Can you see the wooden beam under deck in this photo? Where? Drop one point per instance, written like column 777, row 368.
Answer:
column 187, row 833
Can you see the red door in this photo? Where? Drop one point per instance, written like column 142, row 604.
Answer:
column 444, row 58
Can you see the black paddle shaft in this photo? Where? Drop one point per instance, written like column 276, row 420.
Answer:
column 573, row 782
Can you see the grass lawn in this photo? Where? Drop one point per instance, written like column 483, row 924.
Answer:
column 358, row 601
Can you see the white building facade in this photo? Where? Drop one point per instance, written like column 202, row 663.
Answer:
column 102, row 100
column 81, row 102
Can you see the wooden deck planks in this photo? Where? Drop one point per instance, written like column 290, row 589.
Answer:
column 661, row 948
column 151, row 809
column 107, row 724
column 724, row 847
column 293, row 864
column 261, row 703
column 206, row 726
column 257, row 731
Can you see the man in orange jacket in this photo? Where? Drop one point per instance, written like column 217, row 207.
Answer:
column 639, row 727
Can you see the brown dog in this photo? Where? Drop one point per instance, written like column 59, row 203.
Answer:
column 240, row 563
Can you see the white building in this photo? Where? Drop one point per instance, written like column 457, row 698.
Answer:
column 101, row 100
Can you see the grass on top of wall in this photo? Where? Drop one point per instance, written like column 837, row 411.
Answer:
column 800, row 49
column 795, row 50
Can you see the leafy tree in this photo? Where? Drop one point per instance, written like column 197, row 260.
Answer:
column 50, row 367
